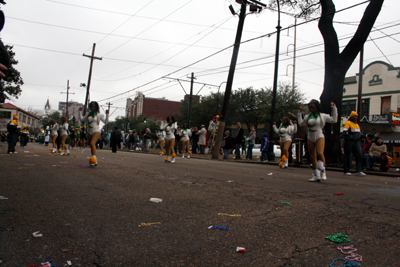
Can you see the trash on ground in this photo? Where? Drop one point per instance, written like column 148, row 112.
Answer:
column 2, row 197
column 351, row 250
column 338, row 238
column 3, row 212
column 148, row 224
column 26, row 151
column 218, row 227
column 230, row 215
column 230, row 181
column 270, row 173
column 347, row 263
column 37, row 234
column 240, row 249
column 155, row 200
column 287, row 203
column 339, row 193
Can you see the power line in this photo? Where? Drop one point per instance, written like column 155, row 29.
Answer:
column 147, row 28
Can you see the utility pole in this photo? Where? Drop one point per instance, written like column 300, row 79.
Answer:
column 109, row 104
column 68, row 93
column 271, row 154
column 190, row 100
column 228, row 89
column 360, row 84
column 92, row 57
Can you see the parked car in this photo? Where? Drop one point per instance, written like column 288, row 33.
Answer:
column 277, row 150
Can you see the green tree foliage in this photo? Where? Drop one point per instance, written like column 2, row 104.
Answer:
column 44, row 122
column 10, row 86
column 250, row 106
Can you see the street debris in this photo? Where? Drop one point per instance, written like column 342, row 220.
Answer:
column 351, row 250
column 230, row 181
column 230, row 215
column 270, row 173
column 338, row 238
column 148, row 224
column 37, row 234
column 240, row 249
column 339, row 193
column 2, row 197
column 218, row 227
column 347, row 263
column 287, row 203
column 155, row 200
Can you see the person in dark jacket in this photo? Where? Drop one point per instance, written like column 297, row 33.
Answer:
column 352, row 137
column 229, row 144
column 264, row 147
column 195, row 139
column 116, row 138
column 238, row 140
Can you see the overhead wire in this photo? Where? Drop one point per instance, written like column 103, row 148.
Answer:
column 148, row 28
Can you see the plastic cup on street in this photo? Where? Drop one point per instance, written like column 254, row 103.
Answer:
column 240, row 249
column 155, row 200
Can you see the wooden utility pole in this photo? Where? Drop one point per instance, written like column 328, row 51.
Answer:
column 92, row 57
column 109, row 104
column 228, row 89
column 68, row 93
column 360, row 84
column 190, row 100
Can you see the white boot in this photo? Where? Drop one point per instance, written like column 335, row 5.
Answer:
column 62, row 153
column 173, row 160
column 188, row 156
column 323, row 175
column 286, row 164
column 183, row 155
column 169, row 158
column 67, row 151
column 316, row 177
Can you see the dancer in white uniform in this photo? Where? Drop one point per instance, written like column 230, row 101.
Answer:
column 64, row 135
column 315, row 122
column 285, row 131
column 92, row 119
column 161, row 140
column 185, row 134
column 170, row 125
column 53, row 134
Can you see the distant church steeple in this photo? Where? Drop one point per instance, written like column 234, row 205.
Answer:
column 47, row 107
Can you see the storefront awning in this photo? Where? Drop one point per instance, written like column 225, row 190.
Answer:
column 390, row 138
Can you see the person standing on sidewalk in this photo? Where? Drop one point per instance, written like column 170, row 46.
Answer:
column 13, row 129
column 238, row 140
column 252, row 140
column 264, row 147
column 352, row 137
column 202, row 138
column 228, row 144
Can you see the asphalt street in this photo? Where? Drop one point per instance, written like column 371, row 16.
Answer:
column 102, row 216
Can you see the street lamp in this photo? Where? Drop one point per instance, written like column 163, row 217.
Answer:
column 271, row 154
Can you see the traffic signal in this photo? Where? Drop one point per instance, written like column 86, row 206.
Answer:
column 144, row 119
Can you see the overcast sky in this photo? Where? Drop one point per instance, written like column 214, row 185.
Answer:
column 142, row 41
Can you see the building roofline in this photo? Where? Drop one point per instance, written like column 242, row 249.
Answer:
column 11, row 106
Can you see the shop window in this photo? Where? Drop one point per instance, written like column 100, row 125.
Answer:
column 5, row 114
column 348, row 106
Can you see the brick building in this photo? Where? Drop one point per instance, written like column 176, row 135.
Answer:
column 24, row 117
column 152, row 108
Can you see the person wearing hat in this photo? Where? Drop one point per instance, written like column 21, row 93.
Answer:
column 352, row 146
column 24, row 136
column 13, row 129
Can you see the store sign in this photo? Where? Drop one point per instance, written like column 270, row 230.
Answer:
column 380, row 118
column 395, row 118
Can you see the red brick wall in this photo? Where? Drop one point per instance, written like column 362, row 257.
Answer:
column 160, row 109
